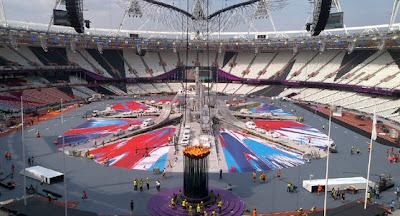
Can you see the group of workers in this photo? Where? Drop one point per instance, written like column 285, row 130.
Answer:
column 263, row 176
column 373, row 192
column 354, row 150
column 392, row 156
column 291, row 188
column 301, row 212
column 198, row 208
column 337, row 194
column 7, row 155
column 320, row 189
column 138, row 184
column 357, row 150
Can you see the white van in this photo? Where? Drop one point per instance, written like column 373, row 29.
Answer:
column 147, row 122
column 119, row 132
column 133, row 127
column 151, row 110
column 250, row 125
column 260, row 130
column 244, row 111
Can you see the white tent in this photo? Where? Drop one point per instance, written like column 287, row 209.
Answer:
column 43, row 174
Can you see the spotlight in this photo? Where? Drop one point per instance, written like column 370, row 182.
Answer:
column 382, row 45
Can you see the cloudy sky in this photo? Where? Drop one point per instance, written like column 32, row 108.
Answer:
column 108, row 13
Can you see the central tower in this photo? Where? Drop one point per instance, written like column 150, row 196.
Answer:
column 195, row 181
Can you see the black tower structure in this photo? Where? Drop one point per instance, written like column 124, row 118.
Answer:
column 195, row 181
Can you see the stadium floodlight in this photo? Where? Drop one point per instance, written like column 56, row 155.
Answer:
column 72, row 44
column 100, row 46
column 43, row 42
column 382, row 45
column 351, row 46
column 295, row 49
column 13, row 41
column 322, row 45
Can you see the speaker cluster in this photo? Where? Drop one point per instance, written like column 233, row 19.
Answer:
column 322, row 9
column 75, row 14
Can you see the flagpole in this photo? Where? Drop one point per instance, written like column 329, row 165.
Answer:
column 327, row 161
column 23, row 148
column 64, row 166
column 373, row 137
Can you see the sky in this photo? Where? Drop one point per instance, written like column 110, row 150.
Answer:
column 108, row 13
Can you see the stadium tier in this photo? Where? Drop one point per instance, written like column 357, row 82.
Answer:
column 365, row 68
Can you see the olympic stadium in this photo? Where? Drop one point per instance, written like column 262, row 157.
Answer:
column 198, row 107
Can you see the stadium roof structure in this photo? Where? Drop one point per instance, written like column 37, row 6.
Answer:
column 200, row 16
column 376, row 37
column 202, row 19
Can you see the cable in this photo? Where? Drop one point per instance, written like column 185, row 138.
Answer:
column 186, row 64
column 208, row 60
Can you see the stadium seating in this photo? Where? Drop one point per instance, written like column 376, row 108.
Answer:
column 302, row 59
column 113, row 89
column 11, row 55
column 371, row 68
column 28, row 54
column 176, row 87
column 162, row 87
column 154, row 63
column 51, row 57
column 170, row 60
column 92, row 62
column 325, row 70
column 33, row 97
column 313, row 67
column 136, row 63
column 259, row 64
column 76, row 59
column 242, row 66
column 279, row 62
column 135, row 89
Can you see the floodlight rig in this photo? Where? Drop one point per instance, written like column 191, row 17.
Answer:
column 351, row 46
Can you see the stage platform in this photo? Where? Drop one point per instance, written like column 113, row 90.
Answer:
column 43, row 174
column 357, row 183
